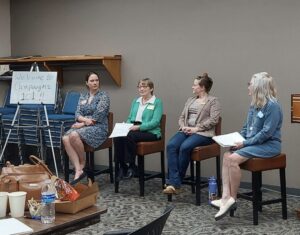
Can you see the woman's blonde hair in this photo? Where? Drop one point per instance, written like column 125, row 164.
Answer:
column 262, row 89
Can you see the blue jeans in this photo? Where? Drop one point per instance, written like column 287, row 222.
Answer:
column 179, row 151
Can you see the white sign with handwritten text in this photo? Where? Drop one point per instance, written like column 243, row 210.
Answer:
column 33, row 87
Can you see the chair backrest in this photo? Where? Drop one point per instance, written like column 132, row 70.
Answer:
column 218, row 127
column 108, row 142
column 163, row 126
column 71, row 102
column 110, row 123
column 156, row 226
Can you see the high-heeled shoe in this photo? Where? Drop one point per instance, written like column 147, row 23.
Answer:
column 225, row 208
column 83, row 174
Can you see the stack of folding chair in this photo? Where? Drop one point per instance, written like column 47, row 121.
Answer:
column 30, row 131
column 7, row 109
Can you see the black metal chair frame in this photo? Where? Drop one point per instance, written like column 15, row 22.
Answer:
column 154, row 228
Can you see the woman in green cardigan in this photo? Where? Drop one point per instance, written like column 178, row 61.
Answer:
column 145, row 113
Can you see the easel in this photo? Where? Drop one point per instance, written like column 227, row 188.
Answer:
column 34, row 68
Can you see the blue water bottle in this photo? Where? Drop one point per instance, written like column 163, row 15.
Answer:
column 212, row 189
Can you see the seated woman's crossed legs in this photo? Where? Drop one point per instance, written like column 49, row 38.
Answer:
column 75, row 150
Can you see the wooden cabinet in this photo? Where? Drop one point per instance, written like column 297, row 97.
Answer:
column 111, row 64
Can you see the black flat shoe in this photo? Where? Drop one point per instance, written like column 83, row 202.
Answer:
column 78, row 179
column 121, row 174
column 130, row 173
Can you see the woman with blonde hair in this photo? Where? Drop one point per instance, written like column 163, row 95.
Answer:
column 262, row 133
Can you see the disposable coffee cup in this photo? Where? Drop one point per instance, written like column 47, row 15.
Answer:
column 3, row 203
column 17, row 203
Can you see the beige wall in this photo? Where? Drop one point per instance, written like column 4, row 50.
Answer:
column 172, row 41
column 4, row 38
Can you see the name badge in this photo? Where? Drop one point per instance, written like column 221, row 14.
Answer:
column 260, row 114
column 151, row 107
column 83, row 102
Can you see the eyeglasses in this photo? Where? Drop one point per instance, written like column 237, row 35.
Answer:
column 139, row 87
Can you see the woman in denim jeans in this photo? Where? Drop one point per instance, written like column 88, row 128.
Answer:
column 196, row 128
column 262, row 133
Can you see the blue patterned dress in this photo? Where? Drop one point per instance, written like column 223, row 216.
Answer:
column 262, row 131
column 98, row 110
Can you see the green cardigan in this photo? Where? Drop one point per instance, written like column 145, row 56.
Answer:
column 150, row 117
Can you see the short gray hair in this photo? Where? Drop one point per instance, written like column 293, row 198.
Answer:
column 262, row 89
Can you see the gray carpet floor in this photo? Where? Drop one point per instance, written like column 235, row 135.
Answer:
column 127, row 210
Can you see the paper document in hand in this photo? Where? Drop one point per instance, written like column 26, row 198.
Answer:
column 229, row 140
column 120, row 129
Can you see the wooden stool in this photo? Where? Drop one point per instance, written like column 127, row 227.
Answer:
column 90, row 164
column 198, row 155
column 257, row 166
column 143, row 149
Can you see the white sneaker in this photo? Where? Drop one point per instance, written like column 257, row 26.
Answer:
column 225, row 208
column 216, row 203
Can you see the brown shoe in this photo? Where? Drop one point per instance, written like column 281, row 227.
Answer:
column 170, row 189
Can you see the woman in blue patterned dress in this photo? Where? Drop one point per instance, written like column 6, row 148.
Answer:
column 262, row 133
column 91, row 125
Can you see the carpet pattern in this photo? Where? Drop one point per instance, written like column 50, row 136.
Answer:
column 127, row 210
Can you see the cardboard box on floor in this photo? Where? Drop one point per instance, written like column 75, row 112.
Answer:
column 87, row 198
column 298, row 213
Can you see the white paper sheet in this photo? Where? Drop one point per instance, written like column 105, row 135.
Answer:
column 228, row 140
column 13, row 226
column 120, row 129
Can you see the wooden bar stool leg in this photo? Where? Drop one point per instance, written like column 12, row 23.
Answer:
column 110, row 162
column 67, row 171
column 117, row 168
column 141, row 174
column 162, row 164
column 255, row 199
column 91, row 166
column 259, row 190
column 192, row 170
column 198, row 183
column 283, row 192
column 218, row 175
column 87, row 164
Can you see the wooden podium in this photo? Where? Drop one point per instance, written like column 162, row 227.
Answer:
column 111, row 64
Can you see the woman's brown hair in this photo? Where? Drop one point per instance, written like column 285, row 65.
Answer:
column 205, row 81
column 87, row 76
